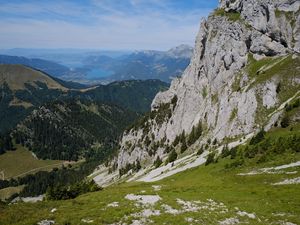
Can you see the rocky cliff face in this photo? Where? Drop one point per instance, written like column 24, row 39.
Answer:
column 245, row 67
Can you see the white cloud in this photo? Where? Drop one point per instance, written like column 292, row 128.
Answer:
column 109, row 27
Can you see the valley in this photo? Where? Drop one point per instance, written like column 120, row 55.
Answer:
column 206, row 135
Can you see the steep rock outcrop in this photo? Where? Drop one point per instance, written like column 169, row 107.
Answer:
column 234, row 85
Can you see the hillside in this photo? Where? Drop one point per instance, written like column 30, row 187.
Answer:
column 46, row 66
column 18, row 76
column 68, row 130
column 23, row 89
column 135, row 95
column 243, row 74
column 213, row 194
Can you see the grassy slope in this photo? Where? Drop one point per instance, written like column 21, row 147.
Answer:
column 5, row 193
column 17, row 75
column 253, row 194
column 14, row 163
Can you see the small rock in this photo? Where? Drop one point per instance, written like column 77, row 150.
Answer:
column 113, row 204
column 229, row 221
column 46, row 222
column 87, row 221
column 53, row 210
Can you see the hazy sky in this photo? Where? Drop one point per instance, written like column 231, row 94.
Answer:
column 102, row 24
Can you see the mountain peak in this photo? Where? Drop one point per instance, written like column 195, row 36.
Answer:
column 243, row 52
column 181, row 51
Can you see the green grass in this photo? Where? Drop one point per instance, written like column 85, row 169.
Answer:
column 253, row 194
column 282, row 69
column 21, row 162
column 266, row 68
column 204, row 92
column 233, row 16
column 5, row 193
column 233, row 114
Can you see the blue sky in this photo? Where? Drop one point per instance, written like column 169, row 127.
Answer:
column 101, row 24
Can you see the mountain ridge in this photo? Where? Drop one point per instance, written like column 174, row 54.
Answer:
column 23, row 89
column 239, row 79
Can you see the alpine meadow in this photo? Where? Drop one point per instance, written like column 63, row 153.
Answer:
column 94, row 129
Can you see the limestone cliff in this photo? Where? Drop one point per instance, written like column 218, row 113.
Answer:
column 244, row 68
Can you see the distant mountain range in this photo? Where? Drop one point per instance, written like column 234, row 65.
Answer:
column 92, row 68
column 144, row 64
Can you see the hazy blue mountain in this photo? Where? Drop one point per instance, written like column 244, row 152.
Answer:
column 93, row 67
column 144, row 64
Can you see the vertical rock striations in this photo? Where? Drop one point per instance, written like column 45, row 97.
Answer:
column 244, row 62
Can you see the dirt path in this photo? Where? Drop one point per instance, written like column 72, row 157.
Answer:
column 37, row 169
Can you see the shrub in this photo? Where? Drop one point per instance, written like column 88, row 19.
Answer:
column 285, row 122
column 258, row 137
column 278, row 88
column 174, row 101
column 209, row 141
column 172, row 156
column 225, row 151
column 183, row 146
column 236, row 163
column 200, row 151
column 233, row 152
column 210, row 158
column 157, row 162
column 177, row 140
column 215, row 141
column 195, row 134
column 70, row 192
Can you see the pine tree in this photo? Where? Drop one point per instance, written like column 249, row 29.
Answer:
column 183, row 146
column 173, row 156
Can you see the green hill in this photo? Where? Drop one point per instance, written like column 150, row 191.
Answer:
column 23, row 89
column 69, row 129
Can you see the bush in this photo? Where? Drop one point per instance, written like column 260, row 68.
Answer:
column 225, row 151
column 233, row 152
column 210, row 158
column 258, row 137
column 183, row 146
column 195, row 134
column 177, row 140
column 157, row 162
column 174, row 101
column 285, row 122
column 172, row 156
column 200, row 151
column 236, row 163
column 70, row 192
column 215, row 141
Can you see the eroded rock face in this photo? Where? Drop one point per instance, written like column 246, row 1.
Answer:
column 274, row 18
column 216, row 89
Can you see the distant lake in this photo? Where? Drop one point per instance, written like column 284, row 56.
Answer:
column 98, row 73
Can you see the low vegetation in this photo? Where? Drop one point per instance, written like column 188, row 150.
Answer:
column 219, row 184
column 22, row 162
column 233, row 16
column 72, row 191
